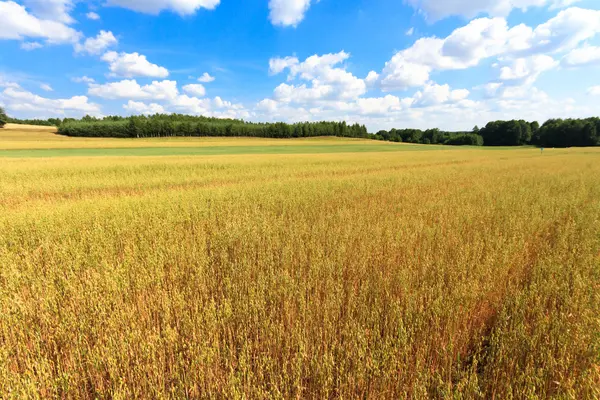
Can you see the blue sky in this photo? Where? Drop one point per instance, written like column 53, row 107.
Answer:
column 412, row 63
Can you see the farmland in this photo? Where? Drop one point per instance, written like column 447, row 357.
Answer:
column 296, row 268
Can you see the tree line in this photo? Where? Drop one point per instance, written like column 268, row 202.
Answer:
column 430, row 136
column 165, row 125
column 3, row 118
column 553, row 133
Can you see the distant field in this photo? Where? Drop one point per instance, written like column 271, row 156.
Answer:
column 26, row 137
column 309, row 268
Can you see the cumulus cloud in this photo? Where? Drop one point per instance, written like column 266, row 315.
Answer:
column 434, row 94
column 268, row 105
column 278, row 64
column 288, row 12
column 525, row 71
column 19, row 100
column 182, row 7
column 129, row 65
column 329, row 81
column 380, row 105
column 135, row 107
column 485, row 38
column 587, row 55
column 98, row 44
column 18, row 24
column 93, row 16
column 195, row 89
column 216, row 107
column 206, row 78
column 130, row 89
column 331, row 92
column 55, row 10
column 439, row 9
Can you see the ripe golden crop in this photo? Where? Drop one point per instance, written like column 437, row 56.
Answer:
column 466, row 273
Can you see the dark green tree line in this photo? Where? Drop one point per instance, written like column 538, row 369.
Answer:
column 569, row 133
column 163, row 125
column 3, row 118
column 507, row 133
column 430, row 136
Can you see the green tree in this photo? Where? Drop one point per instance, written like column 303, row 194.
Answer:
column 3, row 118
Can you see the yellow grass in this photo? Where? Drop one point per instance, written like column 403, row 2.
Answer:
column 463, row 274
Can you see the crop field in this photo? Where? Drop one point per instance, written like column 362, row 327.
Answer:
column 300, row 268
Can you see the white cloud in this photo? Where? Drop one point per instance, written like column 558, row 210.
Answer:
column 328, row 80
column 206, row 78
column 485, row 38
column 439, row 9
column 6, row 83
column 400, row 74
column 379, row 105
column 410, row 32
column 372, row 78
column 46, row 87
column 525, row 71
column 83, row 79
column 288, row 12
column 98, row 44
column 278, row 64
column 594, row 91
column 28, row 46
column 129, row 65
column 565, row 31
column 135, row 107
column 130, row 89
column 268, row 105
column 55, row 10
column 17, row 99
column 93, row 16
column 195, row 89
column 182, row 7
column 490, row 90
column 587, row 55
column 301, row 93
column 434, row 94
column 216, row 107
column 18, row 24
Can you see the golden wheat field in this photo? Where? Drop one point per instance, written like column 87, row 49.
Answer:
column 451, row 274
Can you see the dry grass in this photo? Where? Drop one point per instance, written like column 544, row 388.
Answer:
column 464, row 274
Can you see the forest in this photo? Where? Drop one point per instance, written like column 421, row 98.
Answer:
column 163, row 125
column 430, row 136
column 3, row 117
column 553, row 133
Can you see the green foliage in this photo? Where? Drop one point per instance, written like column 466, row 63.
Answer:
column 507, row 133
column 430, row 136
column 3, row 118
column 554, row 133
column 570, row 132
column 162, row 125
column 37, row 122
column 467, row 139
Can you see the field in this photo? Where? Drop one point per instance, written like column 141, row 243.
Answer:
column 301, row 268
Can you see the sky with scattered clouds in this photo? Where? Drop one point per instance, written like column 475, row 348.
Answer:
column 385, row 63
